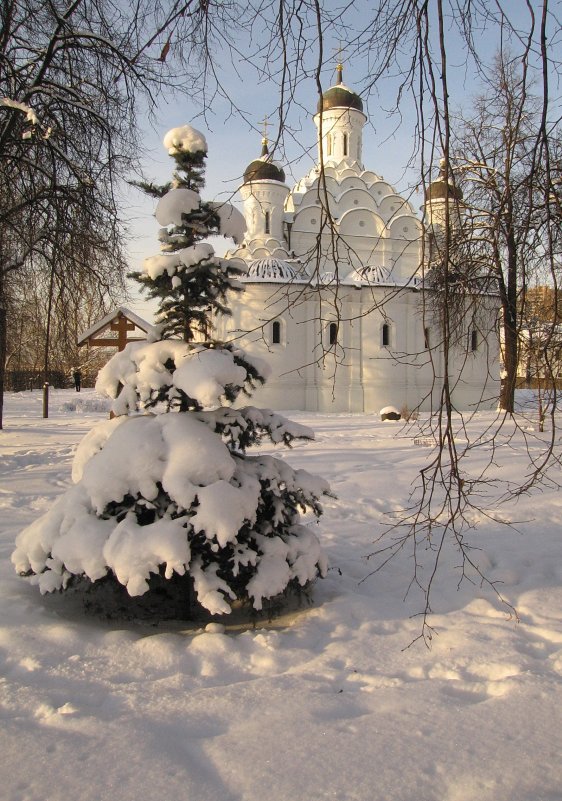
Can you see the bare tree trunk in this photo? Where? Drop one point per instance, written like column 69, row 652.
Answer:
column 510, row 329
column 2, row 343
column 48, row 327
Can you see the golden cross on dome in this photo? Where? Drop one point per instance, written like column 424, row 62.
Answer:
column 265, row 123
column 339, row 65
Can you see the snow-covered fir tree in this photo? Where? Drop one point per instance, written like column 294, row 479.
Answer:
column 165, row 497
column 188, row 282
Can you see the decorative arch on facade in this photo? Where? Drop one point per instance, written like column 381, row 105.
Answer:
column 370, row 177
column 356, row 196
column 380, row 189
column 406, row 226
column 349, row 172
column 260, row 252
column 260, row 249
column 393, row 205
column 331, row 182
column 351, row 181
column 361, row 222
column 308, row 220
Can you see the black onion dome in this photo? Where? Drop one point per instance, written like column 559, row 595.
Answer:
column 443, row 190
column 339, row 97
column 263, row 169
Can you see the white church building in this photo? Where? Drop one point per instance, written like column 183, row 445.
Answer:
column 334, row 295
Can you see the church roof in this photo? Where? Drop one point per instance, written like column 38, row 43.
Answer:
column 264, row 169
column 371, row 274
column 271, row 269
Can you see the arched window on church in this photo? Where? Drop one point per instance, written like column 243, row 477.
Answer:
column 276, row 332
column 267, row 222
column 385, row 335
column 431, row 247
column 329, row 144
column 473, row 340
column 345, row 144
column 426, row 339
column 333, row 333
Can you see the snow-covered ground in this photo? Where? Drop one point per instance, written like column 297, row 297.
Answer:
column 327, row 702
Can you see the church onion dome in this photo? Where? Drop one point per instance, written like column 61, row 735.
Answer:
column 263, row 169
column 339, row 96
column 441, row 189
column 272, row 269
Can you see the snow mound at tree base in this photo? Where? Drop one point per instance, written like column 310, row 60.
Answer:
column 175, row 600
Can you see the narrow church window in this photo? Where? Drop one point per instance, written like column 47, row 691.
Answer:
column 345, row 144
column 329, row 142
column 431, row 246
column 267, row 222
column 385, row 335
column 474, row 340
column 333, row 333
column 426, row 338
column 276, row 332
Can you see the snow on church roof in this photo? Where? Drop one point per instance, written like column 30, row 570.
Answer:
column 372, row 274
column 272, row 269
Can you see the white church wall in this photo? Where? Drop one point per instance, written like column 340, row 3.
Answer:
column 358, row 372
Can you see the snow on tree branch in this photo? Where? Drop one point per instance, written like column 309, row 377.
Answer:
column 30, row 115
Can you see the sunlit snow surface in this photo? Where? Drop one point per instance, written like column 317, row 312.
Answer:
column 325, row 703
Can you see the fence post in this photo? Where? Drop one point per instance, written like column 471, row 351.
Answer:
column 46, row 399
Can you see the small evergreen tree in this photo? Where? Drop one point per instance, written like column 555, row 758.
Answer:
column 166, row 499
column 190, row 285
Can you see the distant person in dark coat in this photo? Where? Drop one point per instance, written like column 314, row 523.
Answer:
column 77, row 376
